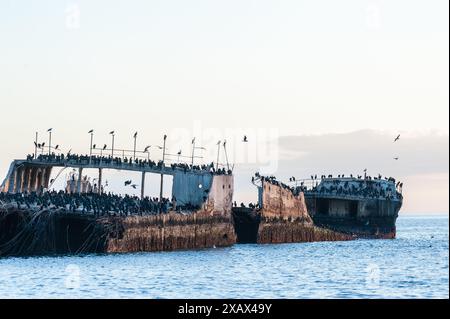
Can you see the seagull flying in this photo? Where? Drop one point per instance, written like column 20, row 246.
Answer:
column 134, row 186
column 396, row 158
column 397, row 138
column 245, row 139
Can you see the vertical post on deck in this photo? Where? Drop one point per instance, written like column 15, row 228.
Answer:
column 112, row 147
column 218, row 155
column 49, row 141
column 36, row 146
column 134, row 150
column 193, row 151
column 92, row 141
column 226, row 154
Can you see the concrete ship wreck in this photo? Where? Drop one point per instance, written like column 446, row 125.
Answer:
column 201, row 214
column 352, row 207
column 34, row 221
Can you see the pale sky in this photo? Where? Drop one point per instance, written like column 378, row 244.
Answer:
column 287, row 68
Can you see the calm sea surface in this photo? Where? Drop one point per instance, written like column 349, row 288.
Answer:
column 415, row 265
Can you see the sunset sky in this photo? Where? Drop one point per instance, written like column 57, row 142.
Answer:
column 318, row 86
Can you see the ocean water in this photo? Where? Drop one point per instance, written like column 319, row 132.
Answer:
column 415, row 265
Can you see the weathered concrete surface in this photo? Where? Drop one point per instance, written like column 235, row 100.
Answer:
column 277, row 231
column 168, row 232
column 22, row 177
column 282, row 203
column 283, row 218
column 211, row 226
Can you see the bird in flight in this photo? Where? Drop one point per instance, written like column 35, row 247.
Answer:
column 128, row 183
column 104, row 147
column 396, row 158
column 134, row 186
column 245, row 139
column 397, row 138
